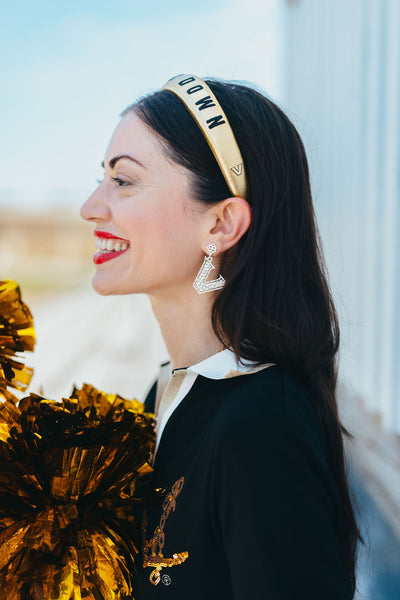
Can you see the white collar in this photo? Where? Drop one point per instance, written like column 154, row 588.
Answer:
column 222, row 365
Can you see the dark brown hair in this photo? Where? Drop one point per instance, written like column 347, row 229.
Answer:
column 276, row 305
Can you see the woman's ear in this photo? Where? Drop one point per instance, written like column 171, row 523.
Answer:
column 227, row 222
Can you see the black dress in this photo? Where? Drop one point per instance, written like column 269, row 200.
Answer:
column 251, row 509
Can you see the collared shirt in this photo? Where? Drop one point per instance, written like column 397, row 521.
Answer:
column 251, row 508
column 174, row 385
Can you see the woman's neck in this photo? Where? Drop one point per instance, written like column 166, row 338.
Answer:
column 186, row 328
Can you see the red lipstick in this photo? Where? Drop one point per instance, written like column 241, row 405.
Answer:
column 109, row 236
column 103, row 255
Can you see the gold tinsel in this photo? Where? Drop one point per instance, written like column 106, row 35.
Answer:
column 68, row 475
column 16, row 335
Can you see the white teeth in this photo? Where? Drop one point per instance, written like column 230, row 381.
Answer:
column 110, row 245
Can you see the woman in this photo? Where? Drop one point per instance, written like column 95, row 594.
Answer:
column 212, row 176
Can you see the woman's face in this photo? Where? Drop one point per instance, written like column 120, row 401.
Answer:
column 144, row 215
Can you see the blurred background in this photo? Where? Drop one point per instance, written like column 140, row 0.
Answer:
column 67, row 70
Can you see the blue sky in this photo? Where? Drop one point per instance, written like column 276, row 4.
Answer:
column 67, row 69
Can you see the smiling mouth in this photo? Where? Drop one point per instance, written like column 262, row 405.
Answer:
column 108, row 247
column 111, row 245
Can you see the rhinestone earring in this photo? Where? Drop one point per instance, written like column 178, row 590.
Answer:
column 200, row 284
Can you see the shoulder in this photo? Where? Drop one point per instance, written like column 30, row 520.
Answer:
column 269, row 407
column 272, row 391
column 267, row 437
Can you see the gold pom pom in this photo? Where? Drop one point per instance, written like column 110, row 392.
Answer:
column 68, row 480
column 16, row 335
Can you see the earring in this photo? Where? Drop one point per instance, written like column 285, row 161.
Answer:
column 200, row 284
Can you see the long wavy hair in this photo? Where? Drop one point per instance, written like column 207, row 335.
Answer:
column 276, row 305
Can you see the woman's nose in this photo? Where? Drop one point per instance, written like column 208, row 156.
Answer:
column 95, row 208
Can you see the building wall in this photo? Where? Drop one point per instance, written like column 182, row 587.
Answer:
column 343, row 93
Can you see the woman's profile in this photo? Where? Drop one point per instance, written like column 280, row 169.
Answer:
column 206, row 207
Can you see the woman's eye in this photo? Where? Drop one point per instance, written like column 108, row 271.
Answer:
column 119, row 181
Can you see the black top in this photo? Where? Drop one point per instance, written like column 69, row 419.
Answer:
column 252, row 510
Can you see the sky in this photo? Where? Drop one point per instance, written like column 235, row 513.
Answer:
column 67, row 69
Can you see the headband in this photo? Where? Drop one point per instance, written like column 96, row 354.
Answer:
column 209, row 116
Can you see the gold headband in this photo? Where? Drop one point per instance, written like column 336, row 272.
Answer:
column 208, row 114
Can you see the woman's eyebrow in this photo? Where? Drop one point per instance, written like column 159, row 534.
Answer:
column 112, row 162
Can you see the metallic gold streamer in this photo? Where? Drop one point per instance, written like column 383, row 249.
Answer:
column 69, row 472
column 16, row 335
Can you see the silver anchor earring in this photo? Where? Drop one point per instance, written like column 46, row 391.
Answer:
column 200, row 284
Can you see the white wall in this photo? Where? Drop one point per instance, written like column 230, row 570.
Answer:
column 342, row 91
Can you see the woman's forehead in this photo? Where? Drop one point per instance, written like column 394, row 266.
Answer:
column 132, row 137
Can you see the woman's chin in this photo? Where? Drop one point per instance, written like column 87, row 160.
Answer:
column 110, row 286
column 102, row 286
